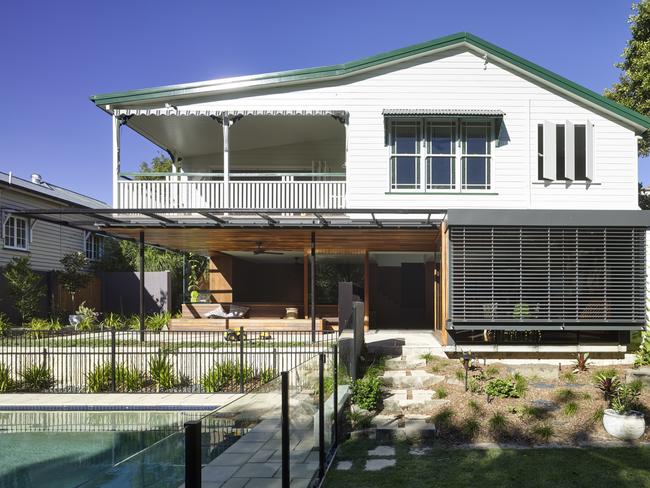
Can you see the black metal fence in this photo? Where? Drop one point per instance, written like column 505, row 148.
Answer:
column 235, row 360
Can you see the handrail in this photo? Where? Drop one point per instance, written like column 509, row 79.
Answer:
column 236, row 174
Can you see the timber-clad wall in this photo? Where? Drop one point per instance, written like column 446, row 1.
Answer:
column 50, row 242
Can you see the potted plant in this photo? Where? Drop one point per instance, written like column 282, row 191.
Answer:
column 197, row 267
column 620, row 420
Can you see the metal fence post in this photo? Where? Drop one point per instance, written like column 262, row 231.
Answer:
column 321, row 415
column 45, row 357
column 285, row 430
column 193, row 454
column 335, row 368
column 241, row 360
column 113, row 386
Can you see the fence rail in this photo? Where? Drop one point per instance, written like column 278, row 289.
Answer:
column 202, row 361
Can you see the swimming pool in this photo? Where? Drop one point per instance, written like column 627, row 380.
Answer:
column 93, row 448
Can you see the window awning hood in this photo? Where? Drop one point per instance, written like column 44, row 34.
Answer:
column 442, row 112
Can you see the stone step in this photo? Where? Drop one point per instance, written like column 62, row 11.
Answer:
column 403, row 398
column 415, row 429
column 418, row 350
column 402, row 363
column 414, row 379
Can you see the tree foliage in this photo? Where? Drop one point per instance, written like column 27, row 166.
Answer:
column 633, row 86
column 644, row 199
column 75, row 275
column 25, row 287
column 159, row 164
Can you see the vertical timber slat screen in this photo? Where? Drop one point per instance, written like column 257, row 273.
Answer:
column 549, row 275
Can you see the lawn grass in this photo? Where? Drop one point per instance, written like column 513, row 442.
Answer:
column 533, row 468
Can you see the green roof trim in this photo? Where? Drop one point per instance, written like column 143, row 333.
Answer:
column 346, row 69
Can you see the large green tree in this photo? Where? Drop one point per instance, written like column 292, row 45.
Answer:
column 159, row 164
column 633, row 86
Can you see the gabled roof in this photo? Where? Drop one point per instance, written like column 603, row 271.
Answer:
column 51, row 192
column 347, row 69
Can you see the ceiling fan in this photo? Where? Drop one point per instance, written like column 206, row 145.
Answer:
column 260, row 249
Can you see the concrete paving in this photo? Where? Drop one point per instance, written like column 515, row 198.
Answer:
column 115, row 401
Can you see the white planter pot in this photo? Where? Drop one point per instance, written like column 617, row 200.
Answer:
column 627, row 427
column 75, row 320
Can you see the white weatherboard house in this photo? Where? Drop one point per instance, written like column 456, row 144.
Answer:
column 465, row 190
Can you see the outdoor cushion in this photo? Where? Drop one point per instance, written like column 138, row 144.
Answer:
column 238, row 311
column 218, row 312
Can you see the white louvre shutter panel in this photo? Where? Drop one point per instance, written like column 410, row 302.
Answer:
column 550, row 159
column 569, row 151
column 589, row 151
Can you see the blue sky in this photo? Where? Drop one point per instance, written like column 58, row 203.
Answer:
column 54, row 55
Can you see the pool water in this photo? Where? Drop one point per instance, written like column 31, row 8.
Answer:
column 70, row 449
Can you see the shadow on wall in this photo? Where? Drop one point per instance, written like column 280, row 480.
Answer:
column 121, row 292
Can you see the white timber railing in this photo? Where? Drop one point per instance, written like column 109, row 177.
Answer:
column 246, row 191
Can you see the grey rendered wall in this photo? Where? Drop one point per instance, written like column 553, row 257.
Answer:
column 121, row 292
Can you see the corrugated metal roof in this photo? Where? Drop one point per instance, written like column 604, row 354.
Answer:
column 48, row 190
column 442, row 112
column 347, row 69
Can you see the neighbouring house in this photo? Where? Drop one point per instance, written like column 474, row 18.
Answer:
column 462, row 188
column 44, row 241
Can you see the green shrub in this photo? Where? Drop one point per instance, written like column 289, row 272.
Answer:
column 569, row 377
column 564, row 395
column 223, row 375
column 359, row 420
column 24, row 287
column 626, row 397
column 497, row 422
column 269, row 374
column 521, row 384
column 6, row 383
column 460, row 374
column 162, row 372
column 570, row 409
column 475, row 384
column 491, row 371
column 366, row 392
column 377, row 367
column 441, row 392
column 643, row 352
column 475, row 407
column 132, row 322
column 99, row 379
column 597, row 416
column 471, row 428
column 37, row 377
column 5, row 325
column 428, row 357
column 88, row 320
column 114, row 321
column 501, row 388
column 607, row 381
column 530, row 411
column 543, row 432
column 157, row 321
column 128, row 379
column 38, row 327
column 443, row 418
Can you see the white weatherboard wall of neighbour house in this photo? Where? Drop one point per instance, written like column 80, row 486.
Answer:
column 49, row 243
column 459, row 79
column 647, row 275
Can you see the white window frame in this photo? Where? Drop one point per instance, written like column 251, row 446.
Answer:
column 429, row 155
column 393, row 185
column 462, row 155
column 11, row 233
column 98, row 250
column 424, row 155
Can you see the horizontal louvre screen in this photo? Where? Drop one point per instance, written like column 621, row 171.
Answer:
column 548, row 274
